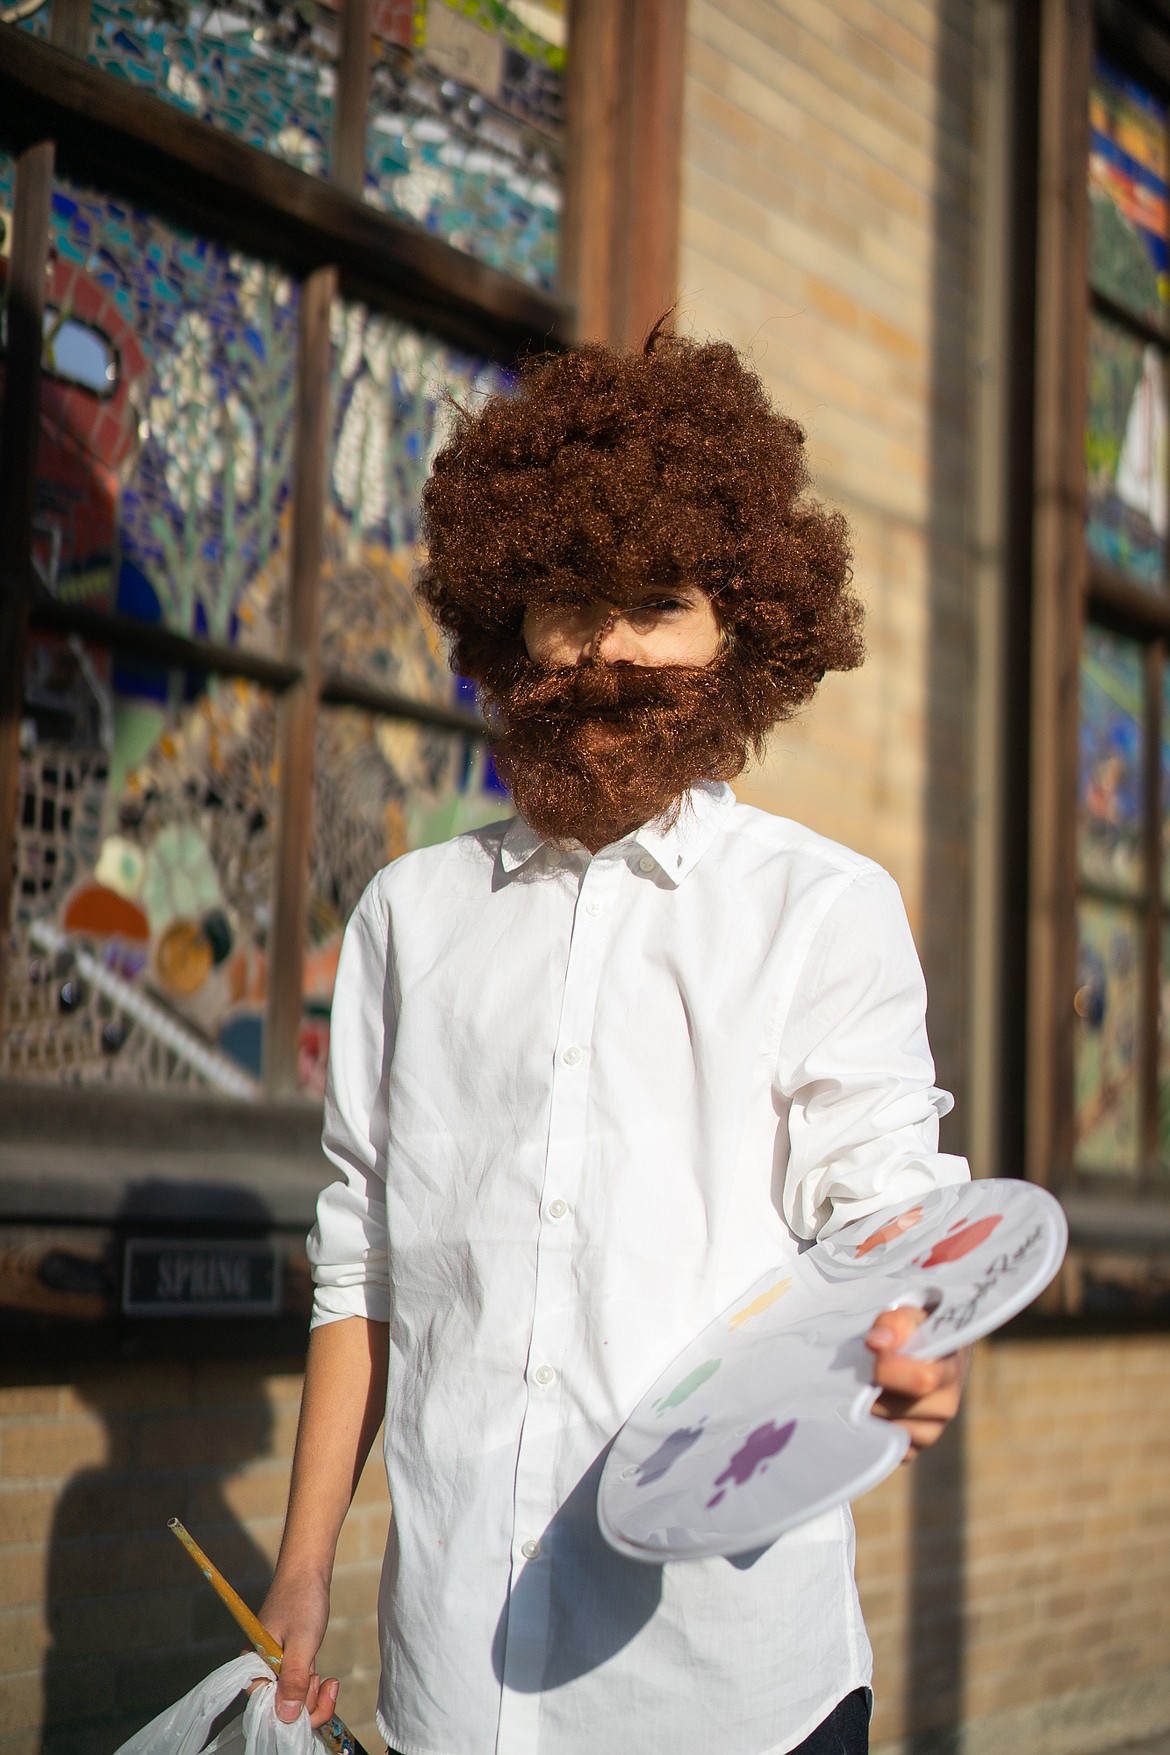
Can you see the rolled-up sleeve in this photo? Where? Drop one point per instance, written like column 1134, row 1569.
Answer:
column 348, row 1245
column 854, row 1074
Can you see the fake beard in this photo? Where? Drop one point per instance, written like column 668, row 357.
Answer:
column 592, row 751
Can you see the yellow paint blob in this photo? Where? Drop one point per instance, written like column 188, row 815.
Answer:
column 758, row 1305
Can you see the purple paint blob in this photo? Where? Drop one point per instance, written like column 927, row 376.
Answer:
column 674, row 1445
column 766, row 1441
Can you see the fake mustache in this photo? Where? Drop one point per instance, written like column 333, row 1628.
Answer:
column 577, row 691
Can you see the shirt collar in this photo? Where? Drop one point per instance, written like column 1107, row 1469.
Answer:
column 675, row 850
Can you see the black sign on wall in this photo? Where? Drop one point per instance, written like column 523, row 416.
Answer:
column 186, row 1277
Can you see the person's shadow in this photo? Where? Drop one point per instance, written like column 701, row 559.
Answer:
column 132, row 1623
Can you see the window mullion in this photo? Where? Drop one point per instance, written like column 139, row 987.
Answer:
column 299, row 705
column 347, row 155
column 19, row 422
column 1152, row 926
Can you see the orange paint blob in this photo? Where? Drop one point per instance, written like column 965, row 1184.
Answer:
column 891, row 1229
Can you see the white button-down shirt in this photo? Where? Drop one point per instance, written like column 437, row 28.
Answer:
column 579, row 1104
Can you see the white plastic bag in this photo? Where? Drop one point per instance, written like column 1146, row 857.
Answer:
column 183, row 1728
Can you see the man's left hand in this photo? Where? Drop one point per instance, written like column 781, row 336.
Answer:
column 922, row 1395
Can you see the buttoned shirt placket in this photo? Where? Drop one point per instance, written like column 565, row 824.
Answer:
column 535, row 1503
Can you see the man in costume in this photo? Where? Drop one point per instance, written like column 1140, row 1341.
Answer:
column 592, row 1072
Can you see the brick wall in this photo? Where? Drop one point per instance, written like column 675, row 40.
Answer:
column 828, row 229
column 1017, row 1581
column 103, row 1618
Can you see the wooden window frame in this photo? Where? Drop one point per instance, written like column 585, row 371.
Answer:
column 618, row 248
column 1070, row 587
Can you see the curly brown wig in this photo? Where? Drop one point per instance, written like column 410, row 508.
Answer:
column 608, row 472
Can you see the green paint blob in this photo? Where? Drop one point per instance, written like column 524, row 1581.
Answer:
column 691, row 1382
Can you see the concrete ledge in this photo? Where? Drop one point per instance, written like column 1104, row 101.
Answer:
column 1090, row 1721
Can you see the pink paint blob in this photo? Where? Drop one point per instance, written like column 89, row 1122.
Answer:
column 766, row 1441
column 960, row 1240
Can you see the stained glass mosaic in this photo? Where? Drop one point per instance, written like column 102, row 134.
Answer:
column 261, row 70
column 392, row 391
column 383, row 787
column 143, row 878
column 1107, row 1039
column 1112, row 759
column 166, row 423
column 465, row 131
column 1126, row 453
column 33, row 16
column 1128, row 258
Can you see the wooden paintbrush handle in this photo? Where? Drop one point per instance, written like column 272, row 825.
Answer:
column 336, row 1735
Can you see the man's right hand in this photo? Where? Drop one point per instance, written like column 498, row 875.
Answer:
column 296, row 1611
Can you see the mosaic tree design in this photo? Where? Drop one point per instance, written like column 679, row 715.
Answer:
column 393, row 393
column 164, row 493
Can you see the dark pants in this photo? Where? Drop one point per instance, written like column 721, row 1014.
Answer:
column 844, row 1732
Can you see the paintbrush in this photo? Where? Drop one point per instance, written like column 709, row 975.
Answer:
column 335, row 1734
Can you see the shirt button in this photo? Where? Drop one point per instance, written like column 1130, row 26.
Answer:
column 573, row 1056
column 645, row 863
column 551, row 857
column 545, row 1374
column 593, row 908
column 530, row 1550
column 557, row 1209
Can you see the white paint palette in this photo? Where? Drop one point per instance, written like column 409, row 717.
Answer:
column 764, row 1421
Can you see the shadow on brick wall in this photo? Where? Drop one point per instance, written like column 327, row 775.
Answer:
column 132, row 1626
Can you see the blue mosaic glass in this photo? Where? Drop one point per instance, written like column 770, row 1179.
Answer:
column 36, row 22
column 263, row 73
column 465, row 135
column 1112, row 762
column 1129, row 258
column 164, row 495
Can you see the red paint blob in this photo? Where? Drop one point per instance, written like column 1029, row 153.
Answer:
column 960, row 1240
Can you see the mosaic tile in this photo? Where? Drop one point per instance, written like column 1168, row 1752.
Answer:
column 1126, row 454
column 1107, row 1039
column 143, row 899
column 163, row 491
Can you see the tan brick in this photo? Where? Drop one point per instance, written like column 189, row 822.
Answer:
column 16, row 1402
column 22, row 1578
column 24, row 1639
column 26, row 1514
column 53, row 1447
column 21, row 1702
